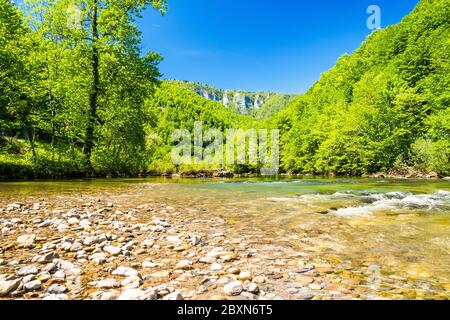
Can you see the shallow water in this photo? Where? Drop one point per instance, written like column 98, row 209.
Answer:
column 387, row 230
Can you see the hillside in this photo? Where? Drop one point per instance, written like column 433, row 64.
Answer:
column 386, row 105
column 259, row 104
column 65, row 113
column 175, row 106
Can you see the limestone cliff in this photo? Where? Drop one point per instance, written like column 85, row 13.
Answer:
column 239, row 101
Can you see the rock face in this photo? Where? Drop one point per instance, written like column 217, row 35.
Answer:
column 240, row 101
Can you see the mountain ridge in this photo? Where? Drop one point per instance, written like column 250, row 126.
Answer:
column 258, row 104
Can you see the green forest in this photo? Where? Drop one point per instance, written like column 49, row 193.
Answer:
column 81, row 98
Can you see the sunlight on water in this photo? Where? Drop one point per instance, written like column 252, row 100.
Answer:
column 399, row 226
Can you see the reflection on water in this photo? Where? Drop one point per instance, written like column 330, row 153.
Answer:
column 396, row 226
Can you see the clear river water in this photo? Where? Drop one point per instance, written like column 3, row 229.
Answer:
column 397, row 231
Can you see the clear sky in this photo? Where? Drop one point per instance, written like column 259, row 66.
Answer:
column 260, row 45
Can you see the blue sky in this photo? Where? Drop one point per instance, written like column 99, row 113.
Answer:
column 260, row 45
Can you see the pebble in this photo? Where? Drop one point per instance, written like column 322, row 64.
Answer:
column 194, row 240
column 120, row 243
column 47, row 258
column 147, row 243
column 57, row 289
column 114, row 251
column 106, row 296
column 108, row 284
column 216, row 267
column 260, row 279
column 25, row 271
column 174, row 296
column 137, row 294
column 132, row 282
column 8, row 286
column 28, row 278
column 89, row 241
column 27, row 240
column 131, row 294
column 98, row 258
column 233, row 288
column 304, row 281
column 32, row 285
column 315, row 286
column 184, row 265
column 252, row 288
column 125, row 271
column 149, row 264
column 56, row 297
column 160, row 274
column 243, row 276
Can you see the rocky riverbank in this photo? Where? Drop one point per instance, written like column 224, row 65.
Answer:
column 67, row 248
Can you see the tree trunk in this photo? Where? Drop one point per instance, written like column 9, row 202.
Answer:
column 31, row 139
column 93, row 97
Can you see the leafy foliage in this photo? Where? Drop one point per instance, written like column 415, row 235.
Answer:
column 387, row 101
column 78, row 97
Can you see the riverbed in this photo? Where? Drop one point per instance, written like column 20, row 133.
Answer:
column 226, row 239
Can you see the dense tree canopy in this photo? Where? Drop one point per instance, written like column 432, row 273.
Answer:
column 385, row 105
column 78, row 97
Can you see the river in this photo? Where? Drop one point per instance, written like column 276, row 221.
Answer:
column 367, row 238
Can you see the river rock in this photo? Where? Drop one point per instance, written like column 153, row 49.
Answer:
column 32, row 285
column 108, row 284
column 73, row 221
column 184, row 265
column 304, row 281
column 149, row 264
column 69, row 268
column 48, row 258
column 132, row 282
column 243, row 276
column 259, row 279
column 252, row 288
column 233, row 288
column 89, row 241
column 125, row 271
column 216, row 267
column 57, row 289
column 147, row 243
column 28, row 278
column 114, row 251
column 194, row 240
column 43, row 276
column 26, row 241
column 25, row 271
column 131, row 294
column 8, row 286
column 98, row 258
column 56, row 297
column 174, row 296
column 173, row 239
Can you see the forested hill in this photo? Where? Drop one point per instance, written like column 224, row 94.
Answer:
column 84, row 100
column 258, row 104
column 386, row 105
column 174, row 106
